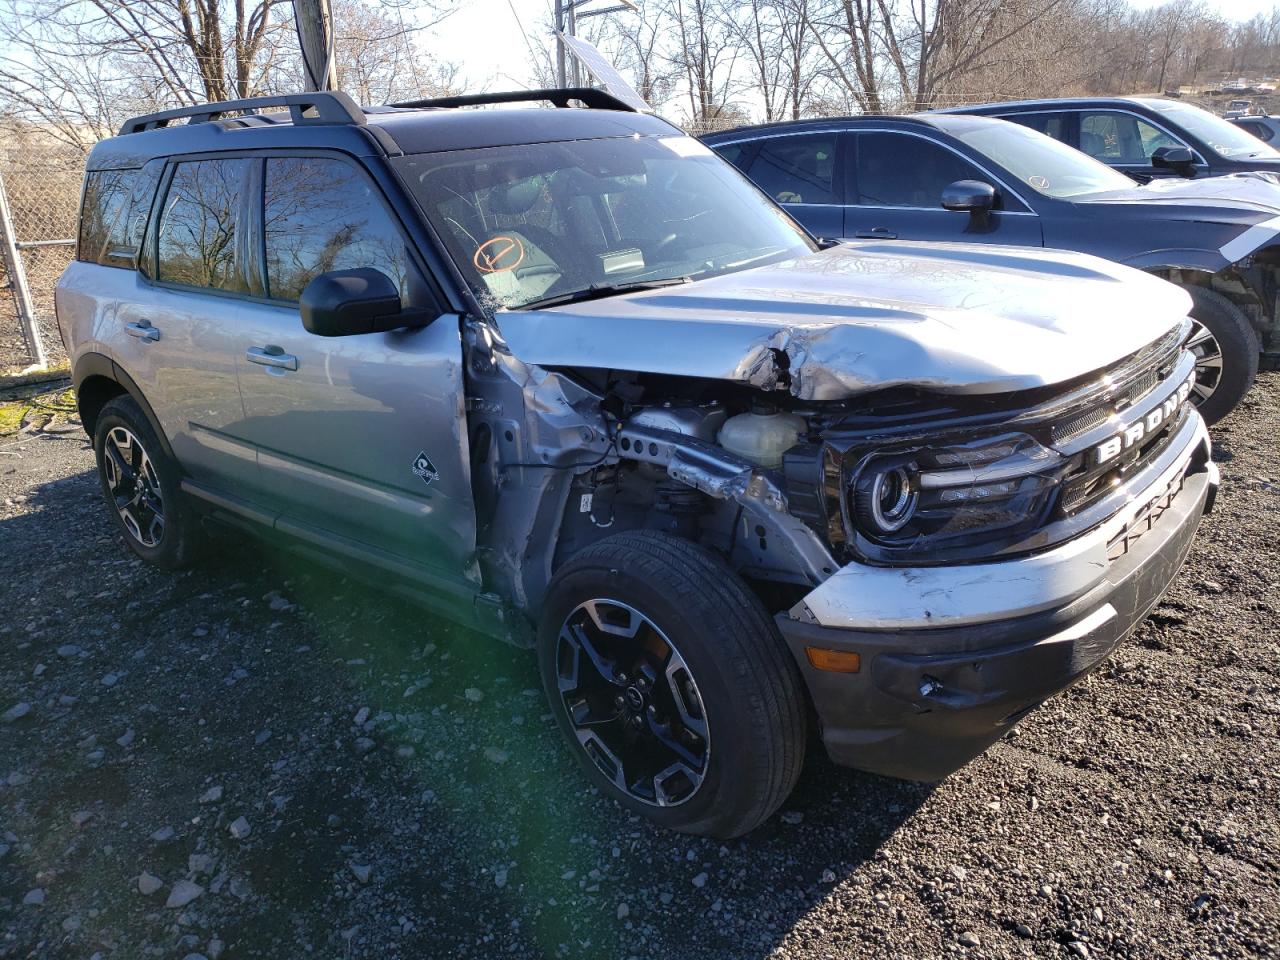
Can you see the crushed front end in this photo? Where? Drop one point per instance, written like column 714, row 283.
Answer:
column 993, row 551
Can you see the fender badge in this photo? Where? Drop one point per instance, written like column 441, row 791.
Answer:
column 425, row 469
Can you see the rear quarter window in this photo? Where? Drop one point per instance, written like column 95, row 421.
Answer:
column 113, row 217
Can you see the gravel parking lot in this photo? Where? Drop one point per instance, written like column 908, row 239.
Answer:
column 258, row 758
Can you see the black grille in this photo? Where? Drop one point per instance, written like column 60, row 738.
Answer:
column 1089, row 483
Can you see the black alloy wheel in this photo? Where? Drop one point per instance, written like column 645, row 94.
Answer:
column 142, row 486
column 675, row 692
column 632, row 702
column 133, row 486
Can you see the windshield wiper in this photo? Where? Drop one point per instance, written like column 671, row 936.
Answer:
column 598, row 290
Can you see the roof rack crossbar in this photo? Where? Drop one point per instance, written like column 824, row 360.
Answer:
column 591, row 97
column 322, row 107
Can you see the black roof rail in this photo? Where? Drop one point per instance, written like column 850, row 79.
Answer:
column 592, row 97
column 323, row 107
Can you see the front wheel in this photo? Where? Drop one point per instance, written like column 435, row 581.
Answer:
column 672, row 685
column 1226, row 349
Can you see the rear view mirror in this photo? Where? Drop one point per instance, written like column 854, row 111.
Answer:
column 974, row 196
column 1178, row 159
column 342, row 303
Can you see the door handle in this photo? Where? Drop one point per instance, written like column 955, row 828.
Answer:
column 876, row 233
column 271, row 356
column 142, row 329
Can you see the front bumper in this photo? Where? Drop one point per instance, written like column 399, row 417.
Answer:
column 952, row 657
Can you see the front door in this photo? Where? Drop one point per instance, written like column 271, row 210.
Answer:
column 895, row 193
column 1127, row 142
column 360, row 439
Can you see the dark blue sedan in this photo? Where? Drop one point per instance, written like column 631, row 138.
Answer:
column 979, row 180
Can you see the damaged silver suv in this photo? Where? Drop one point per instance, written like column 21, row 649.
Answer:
column 566, row 377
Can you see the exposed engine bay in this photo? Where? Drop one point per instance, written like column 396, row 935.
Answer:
column 789, row 491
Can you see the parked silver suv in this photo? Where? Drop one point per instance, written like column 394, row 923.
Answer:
column 566, row 377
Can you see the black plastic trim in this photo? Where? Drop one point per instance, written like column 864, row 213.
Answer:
column 560, row 96
column 927, row 701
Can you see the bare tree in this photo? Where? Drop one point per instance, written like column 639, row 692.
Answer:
column 706, row 52
column 80, row 66
column 379, row 57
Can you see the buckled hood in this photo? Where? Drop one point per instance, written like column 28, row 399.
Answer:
column 949, row 318
column 1244, row 198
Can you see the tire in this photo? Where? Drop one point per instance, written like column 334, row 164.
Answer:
column 140, row 483
column 725, row 670
column 1226, row 348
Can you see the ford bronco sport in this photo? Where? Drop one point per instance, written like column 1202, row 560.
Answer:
column 565, row 376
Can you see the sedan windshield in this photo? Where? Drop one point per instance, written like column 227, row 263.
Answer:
column 1040, row 162
column 1221, row 136
column 546, row 222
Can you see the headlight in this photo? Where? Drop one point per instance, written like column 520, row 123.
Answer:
column 946, row 502
column 886, row 498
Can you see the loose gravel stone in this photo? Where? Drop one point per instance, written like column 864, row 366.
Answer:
column 240, row 828
column 147, row 884
column 182, row 893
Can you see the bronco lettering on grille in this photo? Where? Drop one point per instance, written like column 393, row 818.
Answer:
column 1146, row 426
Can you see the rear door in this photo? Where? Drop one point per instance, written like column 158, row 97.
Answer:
column 176, row 324
column 896, row 179
column 802, row 172
column 361, row 439
column 1061, row 125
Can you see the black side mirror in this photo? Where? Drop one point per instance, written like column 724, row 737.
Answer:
column 1178, row 159
column 974, row 196
column 342, row 303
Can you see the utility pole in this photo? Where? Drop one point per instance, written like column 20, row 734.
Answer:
column 567, row 17
column 314, row 22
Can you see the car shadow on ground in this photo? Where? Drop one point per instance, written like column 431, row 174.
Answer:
column 406, row 789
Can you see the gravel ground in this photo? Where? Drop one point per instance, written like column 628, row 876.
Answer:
column 258, row 759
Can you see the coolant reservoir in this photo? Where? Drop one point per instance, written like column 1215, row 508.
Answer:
column 762, row 435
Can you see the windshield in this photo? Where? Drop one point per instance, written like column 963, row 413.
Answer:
column 1221, row 136
column 531, row 222
column 1040, row 162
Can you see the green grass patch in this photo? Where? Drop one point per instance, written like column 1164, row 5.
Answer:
column 11, row 416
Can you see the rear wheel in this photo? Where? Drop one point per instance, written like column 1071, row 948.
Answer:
column 672, row 685
column 1226, row 349
column 142, row 487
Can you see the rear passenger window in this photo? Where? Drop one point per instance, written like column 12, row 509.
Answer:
column 797, row 169
column 1050, row 124
column 116, row 204
column 200, row 223
column 321, row 214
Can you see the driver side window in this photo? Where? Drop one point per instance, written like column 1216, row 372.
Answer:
column 1121, row 138
column 901, row 170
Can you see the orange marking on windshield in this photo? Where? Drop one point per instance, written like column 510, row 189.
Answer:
column 498, row 255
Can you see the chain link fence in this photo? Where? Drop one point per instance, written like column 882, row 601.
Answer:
column 42, row 184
